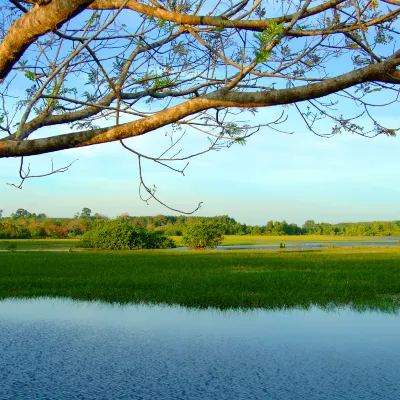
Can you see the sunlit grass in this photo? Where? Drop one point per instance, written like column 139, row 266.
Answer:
column 37, row 244
column 365, row 278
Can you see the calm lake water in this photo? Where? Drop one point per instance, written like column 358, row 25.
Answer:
column 305, row 245
column 311, row 245
column 60, row 349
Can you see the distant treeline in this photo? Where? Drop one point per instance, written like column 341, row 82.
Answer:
column 25, row 225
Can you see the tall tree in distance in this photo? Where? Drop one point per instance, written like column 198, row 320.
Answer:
column 86, row 213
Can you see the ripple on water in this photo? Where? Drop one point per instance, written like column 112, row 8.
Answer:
column 55, row 349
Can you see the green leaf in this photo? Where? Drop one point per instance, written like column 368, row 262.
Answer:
column 30, row 75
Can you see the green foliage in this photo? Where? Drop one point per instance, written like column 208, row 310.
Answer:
column 13, row 231
column 119, row 234
column 162, row 82
column 26, row 225
column 273, row 32
column 30, row 75
column 37, row 232
column 203, row 234
column 21, row 213
column 86, row 213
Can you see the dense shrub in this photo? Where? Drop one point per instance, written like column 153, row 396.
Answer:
column 203, row 234
column 39, row 226
column 4, row 234
column 121, row 235
column 37, row 232
column 13, row 231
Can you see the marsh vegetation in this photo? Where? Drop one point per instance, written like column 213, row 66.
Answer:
column 366, row 277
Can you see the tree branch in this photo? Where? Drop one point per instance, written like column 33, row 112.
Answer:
column 221, row 98
column 36, row 22
column 206, row 20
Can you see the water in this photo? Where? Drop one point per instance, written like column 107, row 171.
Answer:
column 60, row 349
column 311, row 245
column 301, row 245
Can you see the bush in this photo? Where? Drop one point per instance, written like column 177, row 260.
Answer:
column 203, row 234
column 121, row 235
column 20, row 232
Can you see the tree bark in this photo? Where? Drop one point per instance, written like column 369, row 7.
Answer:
column 36, row 22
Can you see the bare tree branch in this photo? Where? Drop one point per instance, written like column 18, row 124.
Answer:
column 27, row 175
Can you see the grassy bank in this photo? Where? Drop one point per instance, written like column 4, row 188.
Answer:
column 365, row 278
column 37, row 244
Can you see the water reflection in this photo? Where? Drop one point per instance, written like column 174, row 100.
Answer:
column 302, row 245
column 307, row 246
column 63, row 349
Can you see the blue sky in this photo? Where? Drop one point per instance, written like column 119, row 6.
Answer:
column 274, row 177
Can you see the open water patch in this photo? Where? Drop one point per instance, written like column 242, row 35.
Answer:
column 302, row 245
column 307, row 246
column 62, row 349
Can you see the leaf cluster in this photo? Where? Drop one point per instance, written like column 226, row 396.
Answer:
column 273, row 32
column 203, row 234
column 120, row 235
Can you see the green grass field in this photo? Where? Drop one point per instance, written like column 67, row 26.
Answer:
column 38, row 244
column 364, row 278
